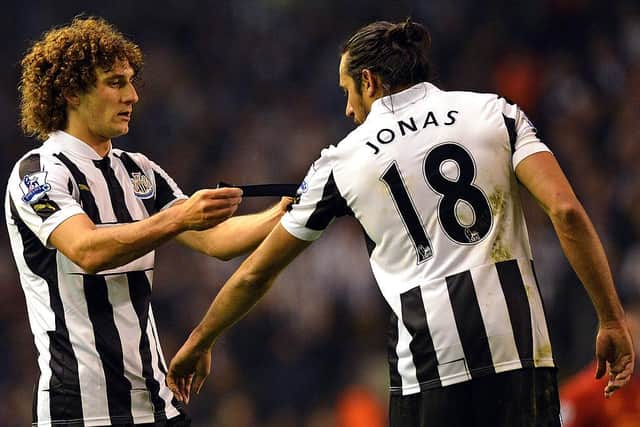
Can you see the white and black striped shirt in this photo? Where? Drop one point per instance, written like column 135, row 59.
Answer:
column 99, row 356
column 430, row 177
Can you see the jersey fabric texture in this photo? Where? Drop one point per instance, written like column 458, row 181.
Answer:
column 99, row 357
column 583, row 403
column 430, row 178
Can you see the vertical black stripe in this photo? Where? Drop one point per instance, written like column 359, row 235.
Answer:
column 471, row 329
column 511, row 129
column 414, row 318
column 115, row 190
column 140, row 292
column 164, row 192
column 132, row 167
column 392, row 343
column 109, row 348
column 332, row 205
column 29, row 165
column 34, row 405
column 515, row 295
column 64, row 386
column 87, row 200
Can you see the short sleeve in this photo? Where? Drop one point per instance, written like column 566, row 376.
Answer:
column 319, row 203
column 41, row 195
column 167, row 191
column 523, row 135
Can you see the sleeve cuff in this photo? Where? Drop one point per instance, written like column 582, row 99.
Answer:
column 527, row 150
column 298, row 231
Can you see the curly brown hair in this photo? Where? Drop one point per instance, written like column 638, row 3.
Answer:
column 64, row 62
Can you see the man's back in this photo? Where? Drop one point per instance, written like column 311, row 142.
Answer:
column 430, row 177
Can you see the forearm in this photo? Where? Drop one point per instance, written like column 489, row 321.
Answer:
column 113, row 246
column 233, row 302
column 583, row 249
column 235, row 236
column 247, row 285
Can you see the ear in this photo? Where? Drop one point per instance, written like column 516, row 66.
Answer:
column 72, row 99
column 370, row 83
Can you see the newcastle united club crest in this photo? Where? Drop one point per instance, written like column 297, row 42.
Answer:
column 142, row 187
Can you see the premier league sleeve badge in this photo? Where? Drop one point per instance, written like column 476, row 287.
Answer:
column 34, row 187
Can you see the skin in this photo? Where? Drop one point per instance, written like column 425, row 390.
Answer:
column 105, row 110
column 359, row 99
column 103, row 113
column 539, row 173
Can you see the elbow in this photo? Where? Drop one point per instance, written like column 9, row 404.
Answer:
column 222, row 255
column 567, row 214
column 91, row 263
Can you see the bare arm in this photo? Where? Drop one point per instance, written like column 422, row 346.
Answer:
column 542, row 176
column 238, row 295
column 99, row 248
column 237, row 235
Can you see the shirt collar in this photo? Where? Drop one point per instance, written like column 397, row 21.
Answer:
column 402, row 99
column 70, row 143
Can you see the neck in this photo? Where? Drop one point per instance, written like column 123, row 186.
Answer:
column 99, row 144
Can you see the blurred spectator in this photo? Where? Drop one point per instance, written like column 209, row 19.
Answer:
column 582, row 396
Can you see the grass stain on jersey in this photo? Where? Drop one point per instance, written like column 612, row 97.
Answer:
column 543, row 353
column 498, row 202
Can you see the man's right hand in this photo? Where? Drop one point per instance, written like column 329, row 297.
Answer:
column 207, row 208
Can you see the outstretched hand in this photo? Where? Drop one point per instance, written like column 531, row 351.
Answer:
column 188, row 370
column 614, row 353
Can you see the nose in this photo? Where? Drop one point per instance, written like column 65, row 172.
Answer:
column 130, row 95
column 349, row 111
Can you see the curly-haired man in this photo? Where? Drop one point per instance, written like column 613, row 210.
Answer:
column 84, row 219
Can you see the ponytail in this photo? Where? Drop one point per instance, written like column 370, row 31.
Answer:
column 397, row 53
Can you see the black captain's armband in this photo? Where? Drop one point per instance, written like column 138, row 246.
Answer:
column 264, row 190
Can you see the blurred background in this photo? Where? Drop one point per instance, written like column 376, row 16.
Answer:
column 246, row 92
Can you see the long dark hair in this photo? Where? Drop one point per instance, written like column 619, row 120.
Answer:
column 397, row 53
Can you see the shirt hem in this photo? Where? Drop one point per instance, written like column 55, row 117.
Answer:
column 166, row 415
column 466, row 376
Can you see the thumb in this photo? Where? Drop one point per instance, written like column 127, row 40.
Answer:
column 602, row 368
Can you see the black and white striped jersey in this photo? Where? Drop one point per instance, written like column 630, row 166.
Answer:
column 430, row 177
column 99, row 357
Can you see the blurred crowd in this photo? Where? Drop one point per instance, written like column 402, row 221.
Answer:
column 246, row 92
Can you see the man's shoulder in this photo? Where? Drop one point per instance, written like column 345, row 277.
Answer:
column 469, row 96
column 139, row 158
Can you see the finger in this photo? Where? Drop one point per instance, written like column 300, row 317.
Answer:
column 602, row 368
column 181, row 381
column 198, row 382
column 177, row 391
column 222, row 193
column 187, row 385
column 616, row 384
column 171, row 383
column 221, row 207
column 621, row 365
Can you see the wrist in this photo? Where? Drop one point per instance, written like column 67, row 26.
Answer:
column 201, row 341
column 175, row 220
